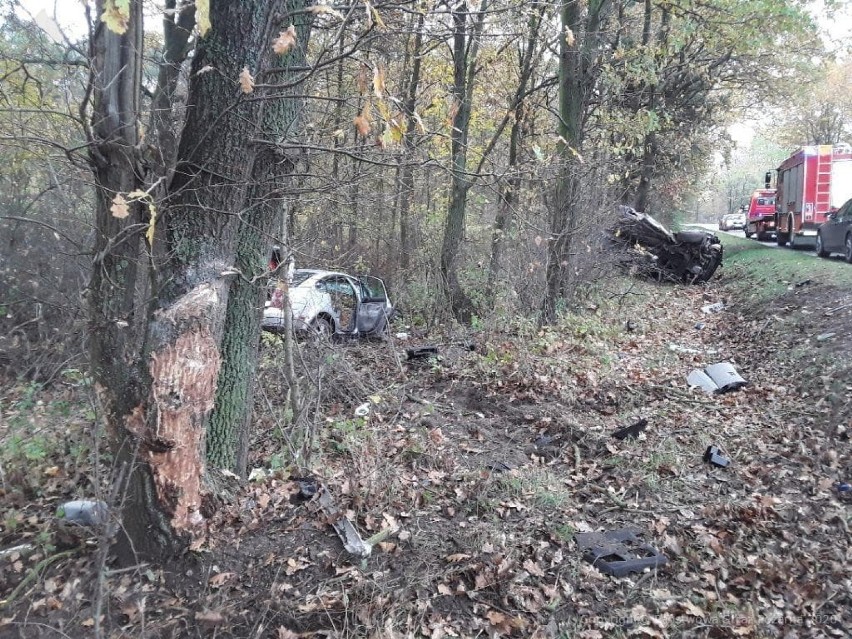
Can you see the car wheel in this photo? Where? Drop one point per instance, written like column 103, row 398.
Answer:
column 322, row 328
column 848, row 253
column 820, row 248
column 747, row 234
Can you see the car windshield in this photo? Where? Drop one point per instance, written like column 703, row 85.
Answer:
column 300, row 276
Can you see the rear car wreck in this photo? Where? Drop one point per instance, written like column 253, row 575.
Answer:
column 650, row 248
column 328, row 303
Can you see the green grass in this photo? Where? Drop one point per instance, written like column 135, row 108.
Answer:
column 769, row 272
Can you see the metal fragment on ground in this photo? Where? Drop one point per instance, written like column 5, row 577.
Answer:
column 344, row 528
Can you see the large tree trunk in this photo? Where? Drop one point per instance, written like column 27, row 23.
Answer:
column 229, row 431
column 577, row 76
column 160, row 392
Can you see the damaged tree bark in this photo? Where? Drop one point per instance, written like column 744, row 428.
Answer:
column 158, row 362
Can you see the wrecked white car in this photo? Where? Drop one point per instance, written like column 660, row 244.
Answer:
column 328, row 303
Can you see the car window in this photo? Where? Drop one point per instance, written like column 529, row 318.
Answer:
column 336, row 284
column 299, row 277
column 845, row 212
column 373, row 287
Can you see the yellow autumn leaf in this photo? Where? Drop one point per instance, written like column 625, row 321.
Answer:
column 319, row 9
column 379, row 82
column 119, row 207
column 202, row 16
column 285, row 41
column 420, row 126
column 116, row 15
column 362, row 125
column 361, row 79
column 362, row 120
column 246, row 80
column 149, row 234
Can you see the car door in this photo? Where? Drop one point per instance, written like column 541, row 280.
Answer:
column 374, row 307
column 833, row 231
column 343, row 301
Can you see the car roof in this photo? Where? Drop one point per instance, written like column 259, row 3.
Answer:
column 315, row 273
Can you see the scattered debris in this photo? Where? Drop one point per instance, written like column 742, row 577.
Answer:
column 714, row 457
column 686, row 350
column 499, row 467
column 257, row 474
column 843, row 487
column 824, row 337
column 84, row 512
column 631, row 326
column 308, row 488
column 619, row 552
column 803, row 283
column 344, row 528
column 699, row 325
column 690, row 256
column 832, row 311
column 401, row 336
column 421, row 352
column 363, row 410
column 713, row 308
column 716, row 378
column 631, row 431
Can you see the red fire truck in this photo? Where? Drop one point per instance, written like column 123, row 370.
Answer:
column 760, row 217
column 810, row 184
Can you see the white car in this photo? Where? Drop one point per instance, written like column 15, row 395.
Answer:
column 330, row 303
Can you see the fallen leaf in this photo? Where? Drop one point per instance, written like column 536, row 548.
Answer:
column 210, row 617
column 216, row 581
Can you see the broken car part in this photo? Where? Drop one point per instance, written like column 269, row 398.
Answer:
column 421, row 352
column 631, row 431
column 618, row 552
column 714, row 457
column 690, row 256
column 716, row 378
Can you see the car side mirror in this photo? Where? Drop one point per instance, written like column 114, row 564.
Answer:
column 830, row 217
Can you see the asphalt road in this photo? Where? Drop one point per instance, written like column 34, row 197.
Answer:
column 770, row 243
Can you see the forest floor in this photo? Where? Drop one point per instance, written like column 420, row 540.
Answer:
column 481, row 466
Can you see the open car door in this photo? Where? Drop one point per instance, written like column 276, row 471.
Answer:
column 374, row 309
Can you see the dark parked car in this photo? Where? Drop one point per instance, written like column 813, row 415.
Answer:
column 330, row 303
column 835, row 235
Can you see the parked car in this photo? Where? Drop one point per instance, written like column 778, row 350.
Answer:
column 835, row 234
column 330, row 303
column 732, row 221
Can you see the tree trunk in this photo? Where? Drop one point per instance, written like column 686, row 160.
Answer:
column 229, row 431
column 465, row 53
column 160, row 393
column 407, row 179
column 577, row 76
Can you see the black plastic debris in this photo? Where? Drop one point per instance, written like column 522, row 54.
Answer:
column 714, row 457
column 421, row 352
column 631, row 431
column 308, row 488
column 843, row 487
column 619, row 552
column 499, row 467
column 803, row 283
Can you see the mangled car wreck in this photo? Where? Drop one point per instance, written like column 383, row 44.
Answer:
column 651, row 249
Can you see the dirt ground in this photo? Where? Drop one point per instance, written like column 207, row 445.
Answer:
column 476, row 470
